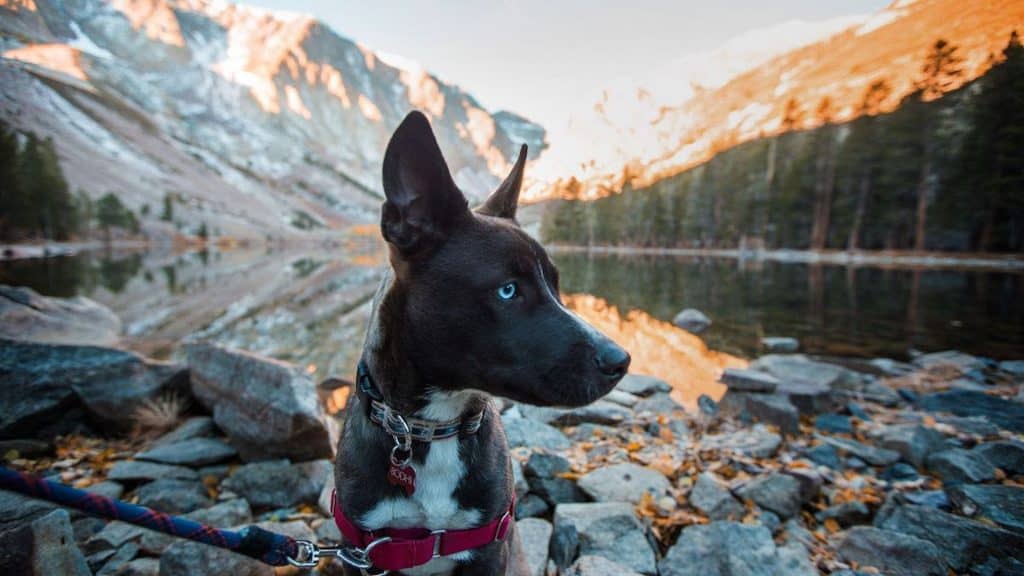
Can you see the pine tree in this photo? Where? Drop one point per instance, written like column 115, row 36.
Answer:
column 12, row 199
column 863, row 150
column 825, row 174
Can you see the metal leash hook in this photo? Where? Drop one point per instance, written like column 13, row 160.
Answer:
column 310, row 555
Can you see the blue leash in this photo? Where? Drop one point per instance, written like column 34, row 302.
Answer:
column 252, row 541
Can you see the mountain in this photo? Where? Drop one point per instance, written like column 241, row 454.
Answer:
column 646, row 130
column 253, row 122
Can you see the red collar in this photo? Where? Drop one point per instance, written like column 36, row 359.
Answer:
column 403, row 548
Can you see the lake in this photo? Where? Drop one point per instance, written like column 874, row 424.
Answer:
column 310, row 305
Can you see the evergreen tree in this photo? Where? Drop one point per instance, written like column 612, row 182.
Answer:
column 168, row 213
column 12, row 194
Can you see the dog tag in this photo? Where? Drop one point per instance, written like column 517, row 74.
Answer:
column 404, row 477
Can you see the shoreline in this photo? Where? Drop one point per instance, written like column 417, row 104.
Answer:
column 882, row 259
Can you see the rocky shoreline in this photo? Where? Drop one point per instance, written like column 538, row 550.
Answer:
column 804, row 467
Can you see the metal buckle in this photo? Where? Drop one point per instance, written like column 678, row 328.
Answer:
column 437, row 542
column 310, row 555
column 501, row 530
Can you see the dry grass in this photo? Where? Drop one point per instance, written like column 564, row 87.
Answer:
column 157, row 416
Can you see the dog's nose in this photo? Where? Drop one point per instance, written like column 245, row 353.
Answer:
column 612, row 360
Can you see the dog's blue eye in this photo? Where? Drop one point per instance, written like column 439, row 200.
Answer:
column 508, row 291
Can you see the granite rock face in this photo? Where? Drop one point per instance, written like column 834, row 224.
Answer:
column 610, row 530
column 27, row 316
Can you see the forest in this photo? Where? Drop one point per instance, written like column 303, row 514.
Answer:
column 943, row 171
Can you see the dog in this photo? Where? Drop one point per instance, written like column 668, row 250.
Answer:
column 469, row 309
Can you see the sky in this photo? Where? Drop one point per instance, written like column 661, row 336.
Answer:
column 542, row 58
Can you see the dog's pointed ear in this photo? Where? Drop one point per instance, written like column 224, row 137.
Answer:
column 503, row 202
column 422, row 203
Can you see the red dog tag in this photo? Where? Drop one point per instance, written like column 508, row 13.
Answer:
column 403, row 476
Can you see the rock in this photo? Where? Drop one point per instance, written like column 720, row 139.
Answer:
column 723, row 549
column 773, row 409
column 624, row 483
column 742, row 380
column 326, row 531
column 611, row 530
column 1014, row 368
column 141, row 567
column 29, row 317
column 194, row 452
column 964, row 363
column 779, row 493
column 959, row 465
column 122, row 556
column 565, row 544
column 857, row 411
column 622, row 398
column 543, row 472
column 873, row 392
column 598, row 566
column 891, row 552
column 222, row 515
column 535, row 536
column 1007, row 455
column 692, row 320
column 973, row 425
column 780, row 344
column 913, row 441
column 847, row 513
column 962, row 542
column 134, row 470
column 890, row 367
column 793, row 560
column 26, row 447
column 600, row 412
column 296, row 529
column 195, row 427
column 900, row 472
column 42, row 546
column 798, row 368
column 532, row 434
column 107, row 488
column 756, row 442
column 113, row 536
column 824, row 454
column 518, row 480
column 834, row 423
column 184, row 558
column 707, row 406
column 660, row 403
column 713, row 498
column 531, row 505
column 870, row 454
column 810, row 482
column 1004, row 413
column 929, row 498
column 42, row 381
column 642, row 385
column 173, row 496
column 279, row 483
column 1003, row 505
column 808, row 397
column 269, row 409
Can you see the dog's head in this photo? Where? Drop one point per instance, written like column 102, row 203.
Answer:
column 481, row 303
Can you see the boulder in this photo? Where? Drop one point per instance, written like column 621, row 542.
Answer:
column 913, row 441
column 891, row 552
column 756, row 442
column 543, row 473
column 692, row 320
column 1003, row 505
column 42, row 381
column 742, row 380
column 269, row 409
column 194, row 452
column 958, row 465
column 598, row 566
column 29, row 317
column 136, row 470
column 713, row 498
column 778, row 493
column 624, row 483
column 611, row 530
column 42, row 546
column 642, row 385
column 173, row 496
column 1007, row 455
column 870, row 454
column 524, row 432
column 279, row 483
column 781, row 344
column 535, row 536
column 725, row 549
column 1004, row 413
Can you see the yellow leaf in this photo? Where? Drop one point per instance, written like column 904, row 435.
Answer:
column 831, row 525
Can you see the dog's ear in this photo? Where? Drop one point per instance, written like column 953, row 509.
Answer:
column 423, row 203
column 503, row 202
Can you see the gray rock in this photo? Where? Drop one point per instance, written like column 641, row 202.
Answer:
column 773, row 409
column 326, row 531
column 296, row 529
column 518, row 479
column 779, row 493
column 173, row 496
column 900, row 472
column 195, row 427
column 622, row 398
column 184, row 558
column 141, row 567
column 847, row 513
column 600, row 412
column 565, row 544
column 113, row 536
column 43, row 381
column 542, row 473
column 1003, row 505
column 891, row 552
column 624, row 483
column 810, row 482
column 961, row 542
column 973, row 425
column 890, row 367
column 722, row 549
column 808, row 397
column 780, row 344
column 531, row 505
column 1007, row 455
column 707, row 406
column 870, row 454
column 193, row 452
column 118, row 559
column 692, row 320
column 642, row 385
column 279, row 483
column 29, row 317
column 959, row 465
column 797, row 368
column 268, row 408
column 660, row 403
column 42, row 546
column 598, row 566
column 133, row 470
column 950, row 359
column 222, row 515
column 794, row 561
column 756, row 441
column 1014, row 368
column 913, row 441
column 834, row 423
column 609, row 529
column 824, row 454
column 742, row 380
column 713, row 498
column 535, row 536
column 532, row 434
column 1004, row 413
column 107, row 488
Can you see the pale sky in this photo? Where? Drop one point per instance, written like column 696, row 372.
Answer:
column 543, row 58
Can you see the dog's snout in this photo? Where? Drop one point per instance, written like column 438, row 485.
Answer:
column 612, row 360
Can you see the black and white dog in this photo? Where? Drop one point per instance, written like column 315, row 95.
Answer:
column 469, row 309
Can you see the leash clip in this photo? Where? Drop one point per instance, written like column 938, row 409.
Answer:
column 310, row 554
